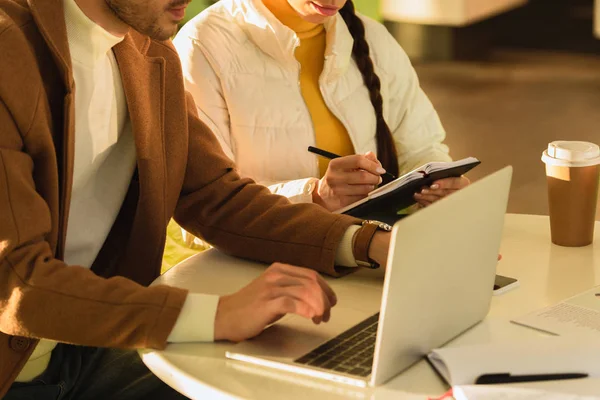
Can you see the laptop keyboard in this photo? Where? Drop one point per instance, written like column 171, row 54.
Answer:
column 350, row 352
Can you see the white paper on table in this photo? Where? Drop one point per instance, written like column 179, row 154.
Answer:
column 576, row 316
column 488, row 392
column 462, row 365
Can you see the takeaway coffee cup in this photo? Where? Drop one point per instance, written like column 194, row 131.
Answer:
column 572, row 173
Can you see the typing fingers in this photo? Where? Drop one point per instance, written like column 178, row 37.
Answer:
column 308, row 291
column 308, row 300
column 310, row 295
column 310, row 275
column 283, row 305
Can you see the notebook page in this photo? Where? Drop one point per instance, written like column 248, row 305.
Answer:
column 411, row 176
column 432, row 167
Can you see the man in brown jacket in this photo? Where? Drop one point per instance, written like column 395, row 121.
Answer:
column 99, row 148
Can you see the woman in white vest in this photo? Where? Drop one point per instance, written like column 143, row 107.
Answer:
column 272, row 77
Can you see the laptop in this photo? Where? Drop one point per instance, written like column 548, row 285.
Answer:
column 438, row 283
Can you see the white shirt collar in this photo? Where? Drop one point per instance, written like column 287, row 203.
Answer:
column 88, row 41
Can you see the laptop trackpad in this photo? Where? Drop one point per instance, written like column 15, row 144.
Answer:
column 294, row 336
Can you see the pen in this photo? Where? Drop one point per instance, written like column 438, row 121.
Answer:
column 490, row 379
column 331, row 156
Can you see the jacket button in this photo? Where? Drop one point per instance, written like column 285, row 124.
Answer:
column 19, row 344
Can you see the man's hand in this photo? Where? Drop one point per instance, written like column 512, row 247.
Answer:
column 440, row 189
column 280, row 290
column 348, row 179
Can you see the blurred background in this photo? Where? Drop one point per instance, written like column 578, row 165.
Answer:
column 506, row 77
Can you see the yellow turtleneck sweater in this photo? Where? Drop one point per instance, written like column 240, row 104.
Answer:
column 330, row 134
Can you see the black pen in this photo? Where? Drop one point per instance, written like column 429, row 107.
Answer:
column 331, row 156
column 490, row 379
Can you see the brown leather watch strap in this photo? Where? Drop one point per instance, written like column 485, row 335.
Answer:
column 360, row 247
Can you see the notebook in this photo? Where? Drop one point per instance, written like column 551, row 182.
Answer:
column 384, row 202
column 503, row 392
column 546, row 355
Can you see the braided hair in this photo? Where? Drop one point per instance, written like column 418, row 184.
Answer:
column 386, row 149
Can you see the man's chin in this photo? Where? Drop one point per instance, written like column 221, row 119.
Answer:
column 165, row 32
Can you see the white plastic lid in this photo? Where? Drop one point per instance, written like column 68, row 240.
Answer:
column 565, row 153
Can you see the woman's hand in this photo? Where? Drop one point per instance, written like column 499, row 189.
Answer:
column 440, row 189
column 348, row 179
column 282, row 289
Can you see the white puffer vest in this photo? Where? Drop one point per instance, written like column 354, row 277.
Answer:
column 239, row 65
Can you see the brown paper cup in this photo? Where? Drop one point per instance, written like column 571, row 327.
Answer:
column 572, row 197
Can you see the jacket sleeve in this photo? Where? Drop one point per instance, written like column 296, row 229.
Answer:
column 415, row 125
column 203, row 82
column 41, row 296
column 244, row 219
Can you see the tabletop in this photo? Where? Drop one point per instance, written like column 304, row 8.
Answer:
column 547, row 275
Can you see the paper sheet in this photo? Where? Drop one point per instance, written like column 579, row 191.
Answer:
column 577, row 316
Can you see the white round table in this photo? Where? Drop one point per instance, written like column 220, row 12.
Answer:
column 547, row 275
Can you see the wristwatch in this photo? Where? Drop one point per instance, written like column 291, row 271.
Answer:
column 362, row 241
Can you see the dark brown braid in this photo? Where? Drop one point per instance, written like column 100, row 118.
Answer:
column 386, row 150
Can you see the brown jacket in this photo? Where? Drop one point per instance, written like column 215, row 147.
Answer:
column 181, row 171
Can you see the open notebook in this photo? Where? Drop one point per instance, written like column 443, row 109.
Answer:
column 546, row 355
column 384, row 202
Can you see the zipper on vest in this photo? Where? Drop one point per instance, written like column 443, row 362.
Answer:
column 333, row 110
column 316, row 163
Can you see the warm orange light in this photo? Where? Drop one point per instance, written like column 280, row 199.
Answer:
column 560, row 173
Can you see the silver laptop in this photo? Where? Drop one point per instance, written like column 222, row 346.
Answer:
column 438, row 283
